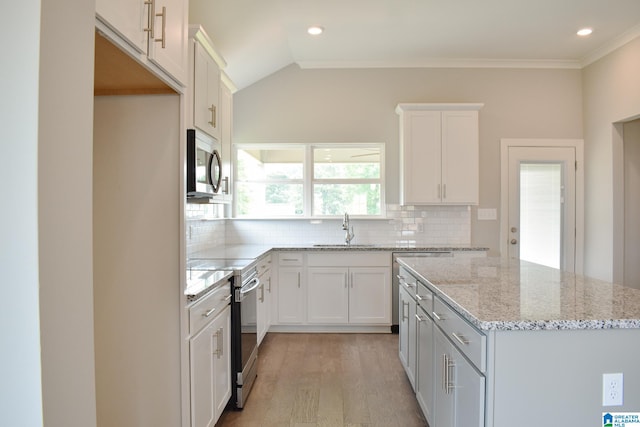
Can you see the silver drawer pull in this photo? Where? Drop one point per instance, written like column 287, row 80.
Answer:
column 420, row 319
column 460, row 338
column 227, row 298
column 419, row 297
column 208, row 313
column 437, row 316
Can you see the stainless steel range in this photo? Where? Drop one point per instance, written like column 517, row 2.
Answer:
column 244, row 337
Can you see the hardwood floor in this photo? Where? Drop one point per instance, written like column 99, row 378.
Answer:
column 329, row 380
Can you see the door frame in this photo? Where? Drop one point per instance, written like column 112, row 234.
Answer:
column 578, row 145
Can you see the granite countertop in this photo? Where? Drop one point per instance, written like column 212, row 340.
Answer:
column 508, row 295
column 256, row 251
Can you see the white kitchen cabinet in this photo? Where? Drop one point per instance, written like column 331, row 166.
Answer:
column 263, row 308
column 348, row 295
column 226, row 135
column 425, row 376
column 206, row 91
column 157, row 29
column 459, row 390
column 348, row 288
column 439, row 153
column 327, row 295
column 370, row 295
column 211, row 370
column 292, row 307
column 407, row 333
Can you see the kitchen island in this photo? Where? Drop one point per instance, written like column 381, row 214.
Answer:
column 536, row 342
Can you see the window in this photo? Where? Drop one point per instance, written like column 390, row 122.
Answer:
column 309, row 180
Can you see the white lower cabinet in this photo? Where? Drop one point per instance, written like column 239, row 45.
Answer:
column 459, row 388
column 358, row 295
column 425, row 375
column 291, row 301
column 210, row 370
column 263, row 307
column 407, row 332
column 444, row 357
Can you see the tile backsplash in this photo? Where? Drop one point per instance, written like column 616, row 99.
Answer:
column 407, row 225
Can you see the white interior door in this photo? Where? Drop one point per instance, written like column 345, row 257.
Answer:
column 542, row 205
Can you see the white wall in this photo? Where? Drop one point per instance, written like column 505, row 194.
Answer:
column 20, row 387
column 356, row 105
column 611, row 90
column 65, row 134
column 632, row 204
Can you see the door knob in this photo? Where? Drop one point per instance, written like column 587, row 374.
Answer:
column 514, row 229
column 514, row 241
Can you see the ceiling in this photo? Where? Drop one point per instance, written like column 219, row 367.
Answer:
column 259, row 37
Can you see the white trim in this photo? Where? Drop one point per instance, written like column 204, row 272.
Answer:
column 616, row 43
column 447, row 63
column 578, row 145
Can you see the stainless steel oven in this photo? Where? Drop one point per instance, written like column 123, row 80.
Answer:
column 244, row 333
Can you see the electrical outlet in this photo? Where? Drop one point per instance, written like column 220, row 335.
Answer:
column 612, row 387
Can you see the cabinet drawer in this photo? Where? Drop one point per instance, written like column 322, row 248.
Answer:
column 471, row 342
column 424, row 297
column 290, row 258
column 208, row 307
column 407, row 281
column 264, row 264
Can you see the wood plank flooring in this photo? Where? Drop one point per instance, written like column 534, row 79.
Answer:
column 329, row 380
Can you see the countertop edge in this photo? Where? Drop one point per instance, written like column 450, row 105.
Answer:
column 525, row 325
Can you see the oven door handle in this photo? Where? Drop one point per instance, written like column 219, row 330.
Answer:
column 255, row 282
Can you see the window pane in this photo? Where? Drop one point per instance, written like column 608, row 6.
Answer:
column 268, row 199
column 270, row 164
column 541, row 213
column 346, row 163
column 336, row 199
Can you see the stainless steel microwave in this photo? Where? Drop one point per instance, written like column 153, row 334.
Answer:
column 204, row 167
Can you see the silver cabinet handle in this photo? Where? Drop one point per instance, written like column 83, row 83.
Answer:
column 219, row 343
column 460, row 338
column 261, row 292
column 444, row 191
column 298, row 279
column 437, row 316
column 405, row 316
column 208, row 312
column 227, row 298
column 163, row 39
column 151, row 17
column 213, row 121
column 420, row 319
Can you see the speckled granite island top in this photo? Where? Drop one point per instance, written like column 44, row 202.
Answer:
column 500, row 294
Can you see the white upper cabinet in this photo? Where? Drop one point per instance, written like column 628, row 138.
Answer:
column 206, row 92
column 439, row 154
column 156, row 29
column 168, row 46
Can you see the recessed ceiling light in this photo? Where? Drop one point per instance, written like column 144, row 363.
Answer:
column 584, row 32
column 315, row 30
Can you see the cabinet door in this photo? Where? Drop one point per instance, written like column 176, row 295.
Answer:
column 421, row 157
column 128, row 18
column 370, row 295
column 221, row 328
column 460, row 157
column 443, row 387
column 206, row 92
column 202, row 382
column 407, row 328
column 168, row 48
column 468, row 392
column 263, row 305
column 425, row 364
column 459, row 388
column 291, row 302
column 226, row 127
column 327, row 295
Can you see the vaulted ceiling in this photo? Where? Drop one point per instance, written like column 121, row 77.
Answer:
column 259, row 37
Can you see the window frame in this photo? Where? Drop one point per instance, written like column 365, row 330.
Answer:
column 308, row 180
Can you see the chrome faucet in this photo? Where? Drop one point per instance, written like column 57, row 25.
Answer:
column 349, row 235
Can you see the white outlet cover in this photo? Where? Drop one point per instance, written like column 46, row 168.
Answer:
column 612, row 389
